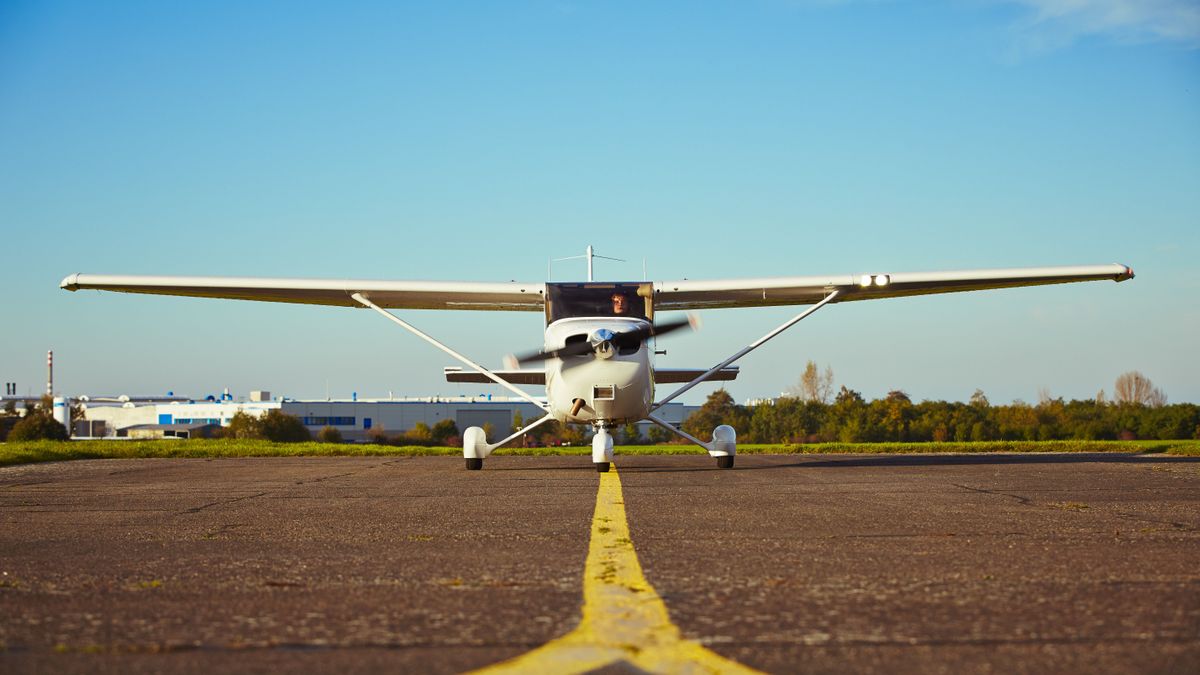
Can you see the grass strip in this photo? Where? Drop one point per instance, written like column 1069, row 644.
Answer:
column 50, row 451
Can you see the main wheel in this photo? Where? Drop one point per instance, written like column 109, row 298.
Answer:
column 474, row 463
column 725, row 462
column 602, row 467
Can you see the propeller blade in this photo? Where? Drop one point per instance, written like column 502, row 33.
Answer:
column 573, row 349
column 633, row 337
column 626, row 339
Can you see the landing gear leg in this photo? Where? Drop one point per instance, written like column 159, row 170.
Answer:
column 476, row 447
column 602, row 449
column 723, row 445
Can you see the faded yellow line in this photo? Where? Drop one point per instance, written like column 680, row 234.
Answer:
column 624, row 619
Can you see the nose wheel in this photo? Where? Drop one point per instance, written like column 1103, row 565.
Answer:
column 602, row 467
column 725, row 462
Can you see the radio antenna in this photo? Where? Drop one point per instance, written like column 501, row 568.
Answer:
column 590, row 254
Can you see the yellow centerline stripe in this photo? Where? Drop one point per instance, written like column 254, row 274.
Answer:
column 624, row 619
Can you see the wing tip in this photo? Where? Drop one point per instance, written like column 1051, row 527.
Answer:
column 1125, row 275
column 70, row 283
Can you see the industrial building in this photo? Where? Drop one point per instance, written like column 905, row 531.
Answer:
column 355, row 418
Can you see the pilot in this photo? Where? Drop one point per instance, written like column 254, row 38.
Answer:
column 620, row 304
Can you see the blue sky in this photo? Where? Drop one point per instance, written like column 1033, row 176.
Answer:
column 712, row 139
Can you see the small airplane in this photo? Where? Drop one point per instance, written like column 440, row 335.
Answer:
column 596, row 364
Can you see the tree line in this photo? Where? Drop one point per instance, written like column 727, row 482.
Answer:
column 1136, row 410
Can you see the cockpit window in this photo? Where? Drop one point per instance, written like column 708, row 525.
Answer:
column 597, row 299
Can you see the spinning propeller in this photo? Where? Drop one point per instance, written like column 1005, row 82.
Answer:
column 603, row 341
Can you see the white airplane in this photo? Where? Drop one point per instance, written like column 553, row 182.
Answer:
column 596, row 365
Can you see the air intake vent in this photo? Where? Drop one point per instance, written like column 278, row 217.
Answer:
column 602, row 393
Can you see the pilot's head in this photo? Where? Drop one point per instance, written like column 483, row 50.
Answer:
column 620, row 304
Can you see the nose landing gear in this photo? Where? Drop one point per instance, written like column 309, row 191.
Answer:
column 602, row 449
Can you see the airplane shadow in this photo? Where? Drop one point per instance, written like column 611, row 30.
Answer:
column 843, row 461
column 982, row 459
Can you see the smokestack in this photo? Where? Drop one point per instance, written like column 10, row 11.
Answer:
column 50, row 373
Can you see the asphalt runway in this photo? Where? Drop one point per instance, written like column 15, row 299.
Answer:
column 978, row 563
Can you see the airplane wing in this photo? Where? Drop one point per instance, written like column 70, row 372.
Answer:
column 391, row 294
column 523, row 296
column 688, row 294
column 661, row 375
column 677, row 375
column 457, row 374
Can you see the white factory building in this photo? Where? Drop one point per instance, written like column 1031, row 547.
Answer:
column 355, row 418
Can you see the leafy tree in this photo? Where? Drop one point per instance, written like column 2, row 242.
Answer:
column 848, row 396
column 657, row 435
column 718, row 409
column 244, row 425
column 443, row 430
column 280, row 427
column 518, row 421
column 38, row 426
column 848, row 420
column 572, row 435
column 329, row 435
column 10, row 408
column 897, row 414
column 631, row 433
column 545, row 434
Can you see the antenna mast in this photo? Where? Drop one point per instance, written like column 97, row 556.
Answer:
column 589, row 255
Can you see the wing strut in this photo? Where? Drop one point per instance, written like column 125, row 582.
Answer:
column 679, row 432
column 746, row 350
column 358, row 297
column 489, row 447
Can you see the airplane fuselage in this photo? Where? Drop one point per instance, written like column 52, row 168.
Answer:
column 609, row 387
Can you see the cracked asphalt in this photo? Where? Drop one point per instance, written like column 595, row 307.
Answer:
column 976, row 563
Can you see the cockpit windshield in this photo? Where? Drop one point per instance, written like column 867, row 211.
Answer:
column 597, row 299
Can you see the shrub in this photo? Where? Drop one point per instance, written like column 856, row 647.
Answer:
column 443, row 430
column 281, row 427
column 656, row 435
column 420, row 433
column 38, row 427
column 276, row 426
column 329, row 435
column 243, row 425
column 6, row 425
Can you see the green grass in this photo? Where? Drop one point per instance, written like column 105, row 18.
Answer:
column 50, row 451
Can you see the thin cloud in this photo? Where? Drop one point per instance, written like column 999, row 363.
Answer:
column 1058, row 23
